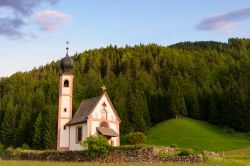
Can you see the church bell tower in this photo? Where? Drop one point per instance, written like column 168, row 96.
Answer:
column 65, row 102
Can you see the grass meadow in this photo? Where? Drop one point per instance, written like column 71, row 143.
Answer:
column 197, row 135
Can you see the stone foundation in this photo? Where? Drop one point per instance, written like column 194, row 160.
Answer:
column 116, row 155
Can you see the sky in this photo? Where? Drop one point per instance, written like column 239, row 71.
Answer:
column 33, row 33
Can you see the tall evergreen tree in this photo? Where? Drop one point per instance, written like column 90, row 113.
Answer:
column 8, row 124
column 37, row 134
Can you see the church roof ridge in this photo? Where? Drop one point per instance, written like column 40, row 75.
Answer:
column 86, row 107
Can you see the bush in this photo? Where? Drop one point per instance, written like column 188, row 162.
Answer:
column 135, row 138
column 25, row 147
column 1, row 149
column 186, row 152
column 248, row 135
column 173, row 146
column 230, row 130
column 96, row 146
column 13, row 152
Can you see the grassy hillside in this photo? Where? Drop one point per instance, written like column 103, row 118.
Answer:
column 198, row 135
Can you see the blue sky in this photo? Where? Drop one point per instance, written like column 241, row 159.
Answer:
column 34, row 32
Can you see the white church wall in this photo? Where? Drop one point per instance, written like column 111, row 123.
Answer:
column 115, row 127
column 110, row 113
column 66, row 90
column 64, row 134
column 94, row 125
column 64, row 116
column 73, row 144
column 65, row 104
column 111, row 119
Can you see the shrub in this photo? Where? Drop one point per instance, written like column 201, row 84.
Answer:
column 96, row 146
column 230, row 130
column 173, row 146
column 1, row 149
column 25, row 147
column 186, row 152
column 248, row 135
column 135, row 138
column 13, row 152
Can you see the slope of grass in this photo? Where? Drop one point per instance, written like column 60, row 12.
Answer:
column 198, row 135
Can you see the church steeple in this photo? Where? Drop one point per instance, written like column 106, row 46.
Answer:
column 67, row 62
column 65, row 102
column 67, row 48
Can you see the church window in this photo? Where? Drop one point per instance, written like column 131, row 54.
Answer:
column 64, row 127
column 104, row 104
column 66, row 83
column 104, row 114
column 65, row 109
column 78, row 134
column 104, row 124
column 112, row 143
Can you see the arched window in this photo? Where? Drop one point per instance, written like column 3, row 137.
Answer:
column 104, row 124
column 66, row 83
column 104, row 114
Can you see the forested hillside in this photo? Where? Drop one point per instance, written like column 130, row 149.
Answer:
column 147, row 84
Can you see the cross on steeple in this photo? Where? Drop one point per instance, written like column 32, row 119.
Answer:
column 67, row 48
column 103, row 87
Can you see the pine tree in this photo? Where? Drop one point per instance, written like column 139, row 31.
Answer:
column 8, row 124
column 177, row 102
column 49, row 128
column 37, row 134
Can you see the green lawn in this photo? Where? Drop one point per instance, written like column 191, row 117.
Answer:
column 194, row 134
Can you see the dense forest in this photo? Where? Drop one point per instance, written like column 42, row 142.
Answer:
column 146, row 83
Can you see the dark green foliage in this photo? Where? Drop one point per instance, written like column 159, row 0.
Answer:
column 147, row 84
column 37, row 135
column 173, row 146
column 96, row 145
column 186, row 152
column 1, row 149
column 25, row 147
column 248, row 135
column 8, row 124
column 137, row 138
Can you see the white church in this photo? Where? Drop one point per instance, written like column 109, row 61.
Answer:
column 95, row 116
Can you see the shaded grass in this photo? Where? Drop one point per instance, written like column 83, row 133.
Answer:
column 197, row 135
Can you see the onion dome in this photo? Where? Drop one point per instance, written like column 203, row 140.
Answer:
column 67, row 63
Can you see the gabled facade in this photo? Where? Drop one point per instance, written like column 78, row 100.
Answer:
column 95, row 116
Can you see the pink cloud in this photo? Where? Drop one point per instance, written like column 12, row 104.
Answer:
column 225, row 20
column 51, row 20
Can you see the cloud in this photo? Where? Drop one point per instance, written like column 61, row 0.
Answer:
column 9, row 27
column 23, row 7
column 224, row 20
column 50, row 20
column 12, row 21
